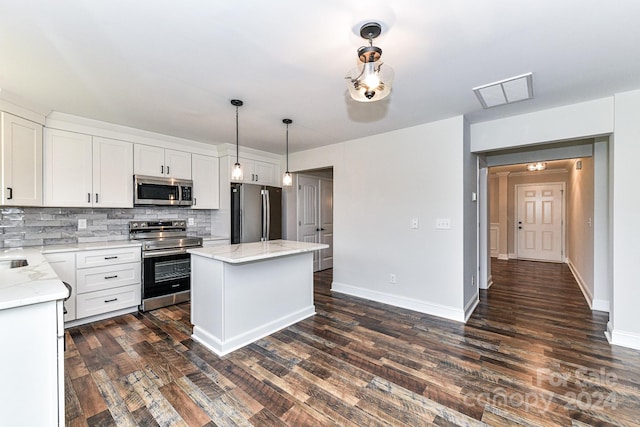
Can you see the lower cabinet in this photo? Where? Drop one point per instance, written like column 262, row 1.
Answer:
column 32, row 368
column 102, row 281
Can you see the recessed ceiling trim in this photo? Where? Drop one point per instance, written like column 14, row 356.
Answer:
column 507, row 91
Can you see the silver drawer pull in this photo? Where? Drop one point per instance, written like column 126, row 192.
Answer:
column 111, row 277
column 177, row 285
column 111, row 300
column 111, row 257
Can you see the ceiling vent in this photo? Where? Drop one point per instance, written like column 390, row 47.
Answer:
column 506, row 91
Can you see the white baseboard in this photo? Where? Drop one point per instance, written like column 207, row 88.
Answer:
column 600, row 305
column 503, row 256
column 512, row 255
column 471, row 306
column 623, row 338
column 489, row 283
column 420, row 306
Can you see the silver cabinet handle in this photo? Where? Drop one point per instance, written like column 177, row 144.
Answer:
column 88, row 197
column 162, row 169
column 195, row 201
column 111, row 257
column 10, row 193
column 167, row 170
column 111, row 300
column 96, row 197
column 115, row 276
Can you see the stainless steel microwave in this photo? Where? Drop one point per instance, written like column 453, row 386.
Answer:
column 151, row 190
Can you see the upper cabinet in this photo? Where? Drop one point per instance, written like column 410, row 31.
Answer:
column 84, row 171
column 257, row 171
column 161, row 162
column 21, row 160
column 206, row 182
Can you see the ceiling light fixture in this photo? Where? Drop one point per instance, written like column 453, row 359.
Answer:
column 505, row 91
column 287, row 180
column 533, row 167
column 372, row 82
column 236, row 172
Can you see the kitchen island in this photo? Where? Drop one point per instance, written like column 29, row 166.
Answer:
column 241, row 293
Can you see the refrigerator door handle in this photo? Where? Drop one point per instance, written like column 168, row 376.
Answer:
column 267, row 223
column 264, row 214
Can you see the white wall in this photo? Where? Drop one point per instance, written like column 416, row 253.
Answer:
column 624, row 324
column 556, row 124
column 470, row 230
column 380, row 184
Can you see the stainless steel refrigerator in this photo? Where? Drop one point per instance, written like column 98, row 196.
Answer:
column 256, row 213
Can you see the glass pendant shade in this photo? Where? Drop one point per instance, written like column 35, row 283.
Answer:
column 374, row 83
column 287, row 179
column 236, row 172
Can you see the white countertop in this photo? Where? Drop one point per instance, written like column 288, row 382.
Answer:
column 37, row 282
column 246, row 252
column 32, row 284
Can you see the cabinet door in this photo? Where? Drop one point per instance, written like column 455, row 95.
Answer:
column 112, row 173
column 266, row 173
column 177, row 164
column 68, row 165
column 21, row 155
column 206, row 182
column 148, row 160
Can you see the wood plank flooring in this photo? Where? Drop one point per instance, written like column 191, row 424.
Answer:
column 531, row 354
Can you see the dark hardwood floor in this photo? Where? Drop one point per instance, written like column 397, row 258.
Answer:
column 531, row 354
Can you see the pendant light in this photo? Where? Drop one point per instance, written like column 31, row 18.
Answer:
column 372, row 82
column 236, row 172
column 287, row 180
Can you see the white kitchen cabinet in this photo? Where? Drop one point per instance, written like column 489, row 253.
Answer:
column 205, row 171
column 107, row 280
column 64, row 264
column 32, row 369
column 257, row 171
column 21, row 161
column 161, row 162
column 84, row 171
column 112, row 173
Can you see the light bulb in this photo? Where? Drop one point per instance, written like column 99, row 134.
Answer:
column 236, row 172
column 371, row 78
column 287, row 179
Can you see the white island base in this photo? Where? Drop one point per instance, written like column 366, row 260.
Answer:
column 241, row 293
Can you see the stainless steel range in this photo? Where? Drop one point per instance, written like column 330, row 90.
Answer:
column 166, row 266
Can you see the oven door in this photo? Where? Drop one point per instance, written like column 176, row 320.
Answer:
column 165, row 274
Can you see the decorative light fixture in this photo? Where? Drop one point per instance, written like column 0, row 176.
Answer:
column 236, row 172
column 287, row 180
column 372, row 82
column 536, row 166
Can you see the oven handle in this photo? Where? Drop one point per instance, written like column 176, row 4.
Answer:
column 155, row 254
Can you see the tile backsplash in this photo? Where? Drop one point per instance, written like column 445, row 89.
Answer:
column 53, row 226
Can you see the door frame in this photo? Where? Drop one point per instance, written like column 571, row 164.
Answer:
column 563, row 218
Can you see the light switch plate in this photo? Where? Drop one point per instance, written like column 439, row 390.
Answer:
column 414, row 223
column 190, row 221
column 82, row 224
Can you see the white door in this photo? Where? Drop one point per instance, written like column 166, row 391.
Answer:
column 326, row 224
column 112, row 173
column 539, row 218
column 309, row 213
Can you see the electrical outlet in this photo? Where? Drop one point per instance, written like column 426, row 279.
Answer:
column 392, row 279
column 190, row 221
column 414, row 223
column 443, row 223
column 82, row 224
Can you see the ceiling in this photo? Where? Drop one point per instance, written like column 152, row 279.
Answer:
column 172, row 66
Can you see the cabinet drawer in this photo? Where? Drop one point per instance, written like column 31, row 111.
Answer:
column 107, row 257
column 99, row 302
column 111, row 276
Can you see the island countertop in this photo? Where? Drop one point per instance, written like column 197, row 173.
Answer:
column 247, row 252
